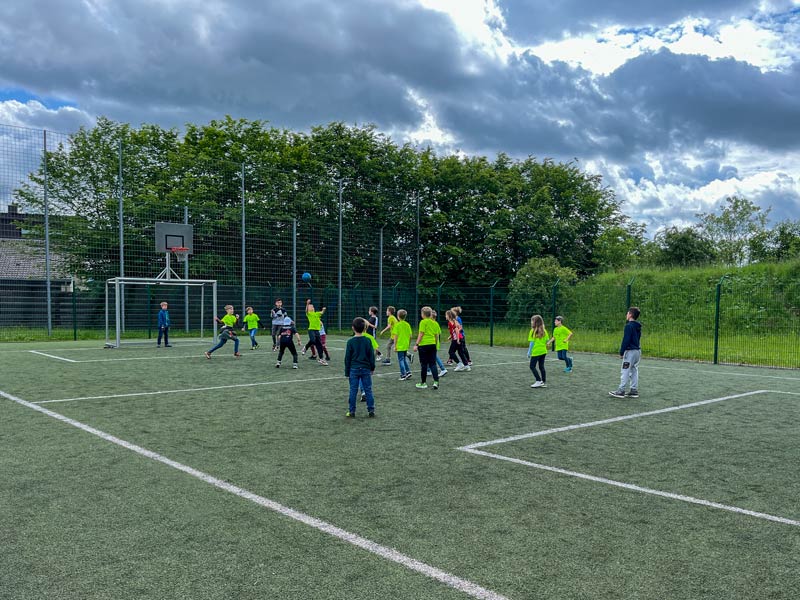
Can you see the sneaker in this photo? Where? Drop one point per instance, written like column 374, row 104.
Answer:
column 422, row 386
column 469, row 364
column 311, row 357
column 459, row 367
column 402, row 378
column 256, row 346
column 278, row 365
column 328, row 357
column 436, row 385
column 537, row 384
column 443, row 372
column 386, row 362
column 167, row 345
column 322, row 362
column 633, row 394
column 371, row 415
column 468, row 368
column 408, row 375
column 303, row 352
column 568, row 370
column 448, row 362
column 410, row 359
column 617, row 394
column 237, row 354
column 158, row 346
column 274, row 348
column 544, row 385
column 350, row 415
column 208, row 355
column 294, row 365
column 363, row 398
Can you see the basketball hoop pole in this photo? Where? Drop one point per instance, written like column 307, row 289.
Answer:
column 168, row 273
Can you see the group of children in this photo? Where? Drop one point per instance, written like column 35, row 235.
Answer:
column 362, row 350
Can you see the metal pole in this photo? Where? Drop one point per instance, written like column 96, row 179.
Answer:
column 118, row 311
column 186, row 276
column 106, row 312
column 244, row 259
column 47, row 239
column 380, row 273
column 491, row 313
column 202, row 309
column 121, row 243
column 214, row 307
column 555, row 296
column 339, row 306
column 716, row 319
column 416, row 281
column 294, row 270
column 74, row 312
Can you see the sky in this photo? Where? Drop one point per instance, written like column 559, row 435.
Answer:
column 676, row 104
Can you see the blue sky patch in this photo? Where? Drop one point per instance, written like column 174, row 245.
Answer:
column 25, row 96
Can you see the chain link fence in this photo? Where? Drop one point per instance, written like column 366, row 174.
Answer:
column 69, row 222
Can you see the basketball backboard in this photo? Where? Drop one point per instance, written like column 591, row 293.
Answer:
column 174, row 235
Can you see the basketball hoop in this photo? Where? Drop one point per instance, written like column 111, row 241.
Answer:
column 181, row 253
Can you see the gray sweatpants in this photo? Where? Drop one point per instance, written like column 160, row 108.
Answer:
column 630, row 370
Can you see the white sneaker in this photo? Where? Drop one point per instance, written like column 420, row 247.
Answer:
column 537, row 384
column 443, row 372
column 468, row 368
column 459, row 367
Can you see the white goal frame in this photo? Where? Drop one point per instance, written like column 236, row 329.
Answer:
column 119, row 283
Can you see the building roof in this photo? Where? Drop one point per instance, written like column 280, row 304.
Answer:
column 25, row 259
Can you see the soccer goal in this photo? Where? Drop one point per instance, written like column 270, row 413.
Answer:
column 135, row 301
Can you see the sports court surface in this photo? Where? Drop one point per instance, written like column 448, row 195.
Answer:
column 144, row 473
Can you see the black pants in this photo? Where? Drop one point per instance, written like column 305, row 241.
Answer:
column 315, row 340
column 464, row 350
column 427, row 359
column 455, row 348
column 163, row 331
column 290, row 347
column 538, row 361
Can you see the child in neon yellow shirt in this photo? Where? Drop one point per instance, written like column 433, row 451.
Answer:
column 251, row 326
column 537, row 350
column 226, row 332
column 560, row 342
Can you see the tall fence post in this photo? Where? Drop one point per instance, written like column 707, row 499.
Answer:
column 47, row 238
column 491, row 313
column 628, row 290
column 121, row 289
column 380, row 274
column 555, row 301
column 186, row 276
column 339, row 304
column 244, row 249
column 294, row 269
column 717, row 298
column 74, row 311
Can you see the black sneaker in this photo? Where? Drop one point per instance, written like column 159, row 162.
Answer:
column 633, row 394
column 617, row 394
column 371, row 415
column 363, row 398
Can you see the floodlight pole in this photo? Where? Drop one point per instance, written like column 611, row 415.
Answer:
column 380, row 273
column 121, row 237
column 339, row 307
column 186, row 276
column 47, row 239
column 294, row 269
column 244, row 259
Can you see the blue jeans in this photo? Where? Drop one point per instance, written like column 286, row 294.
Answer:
column 361, row 377
column 402, row 360
column 253, row 333
column 438, row 364
column 163, row 332
column 223, row 339
column 562, row 355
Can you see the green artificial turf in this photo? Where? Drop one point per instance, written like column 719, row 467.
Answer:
column 83, row 518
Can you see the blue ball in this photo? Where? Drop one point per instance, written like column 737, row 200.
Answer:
column 306, row 277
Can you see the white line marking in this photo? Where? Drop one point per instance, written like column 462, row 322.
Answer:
column 224, row 387
column 69, row 360
column 457, row 583
column 637, row 488
column 524, row 436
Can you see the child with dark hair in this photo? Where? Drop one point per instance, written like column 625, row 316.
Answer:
column 391, row 321
column 359, row 364
column 560, row 342
column 277, row 314
column 630, row 351
column 286, row 336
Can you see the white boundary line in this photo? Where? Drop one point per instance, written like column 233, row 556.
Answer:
column 69, row 360
column 228, row 386
column 457, row 583
column 473, row 449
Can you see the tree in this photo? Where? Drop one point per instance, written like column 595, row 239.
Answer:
column 683, row 248
column 780, row 243
column 531, row 290
column 730, row 230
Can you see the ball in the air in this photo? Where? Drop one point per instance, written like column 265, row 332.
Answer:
column 306, row 277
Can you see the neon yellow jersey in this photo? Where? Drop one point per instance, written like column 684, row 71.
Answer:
column 402, row 330
column 372, row 340
column 560, row 335
column 314, row 320
column 430, row 331
column 391, row 321
column 229, row 320
column 539, row 344
column 251, row 321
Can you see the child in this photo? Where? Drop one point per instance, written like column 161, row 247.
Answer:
column 323, row 339
column 631, row 353
column 427, row 341
column 391, row 321
column 374, row 344
column 372, row 327
column 537, row 350
column 401, row 335
column 560, row 341
column 359, row 363
column 251, row 326
column 455, row 343
column 227, row 332
column 286, row 337
column 463, row 338
column 163, row 326
column 278, row 316
column 439, row 364
column 314, row 325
